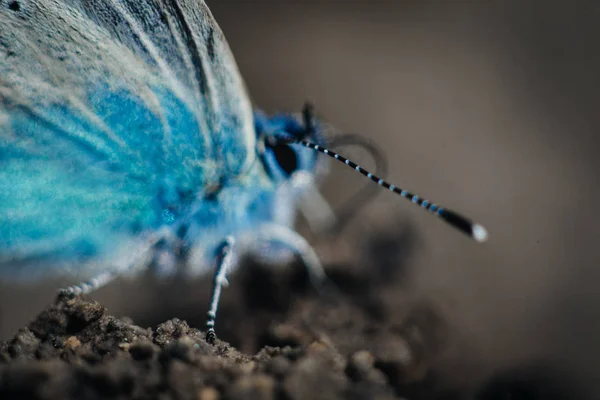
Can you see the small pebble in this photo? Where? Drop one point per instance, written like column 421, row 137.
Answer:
column 208, row 393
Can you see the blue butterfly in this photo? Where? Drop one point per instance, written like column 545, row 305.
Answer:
column 127, row 139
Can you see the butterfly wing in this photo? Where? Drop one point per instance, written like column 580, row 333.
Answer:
column 103, row 105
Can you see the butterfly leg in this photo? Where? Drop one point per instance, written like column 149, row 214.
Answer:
column 291, row 241
column 89, row 286
column 138, row 258
column 226, row 261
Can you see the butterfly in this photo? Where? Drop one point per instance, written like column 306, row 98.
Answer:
column 128, row 140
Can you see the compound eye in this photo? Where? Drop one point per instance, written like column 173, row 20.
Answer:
column 285, row 155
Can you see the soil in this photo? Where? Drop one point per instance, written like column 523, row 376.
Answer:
column 363, row 337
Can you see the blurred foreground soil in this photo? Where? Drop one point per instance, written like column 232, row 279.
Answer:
column 369, row 338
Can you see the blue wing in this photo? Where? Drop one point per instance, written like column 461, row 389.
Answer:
column 110, row 110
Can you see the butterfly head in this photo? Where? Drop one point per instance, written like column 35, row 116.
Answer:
column 280, row 156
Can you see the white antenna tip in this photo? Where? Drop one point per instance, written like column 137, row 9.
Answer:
column 480, row 234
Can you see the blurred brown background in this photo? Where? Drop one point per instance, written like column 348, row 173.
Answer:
column 490, row 108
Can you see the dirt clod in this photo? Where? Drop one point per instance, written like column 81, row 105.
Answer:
column 373, row 341
column 75, row 350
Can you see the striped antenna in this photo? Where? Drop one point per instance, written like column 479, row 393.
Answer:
column 474, row 230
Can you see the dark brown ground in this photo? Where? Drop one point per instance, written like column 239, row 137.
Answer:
column 368, row 339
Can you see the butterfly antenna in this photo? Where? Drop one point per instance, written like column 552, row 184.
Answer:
column 347, row 210
column 474, row 230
